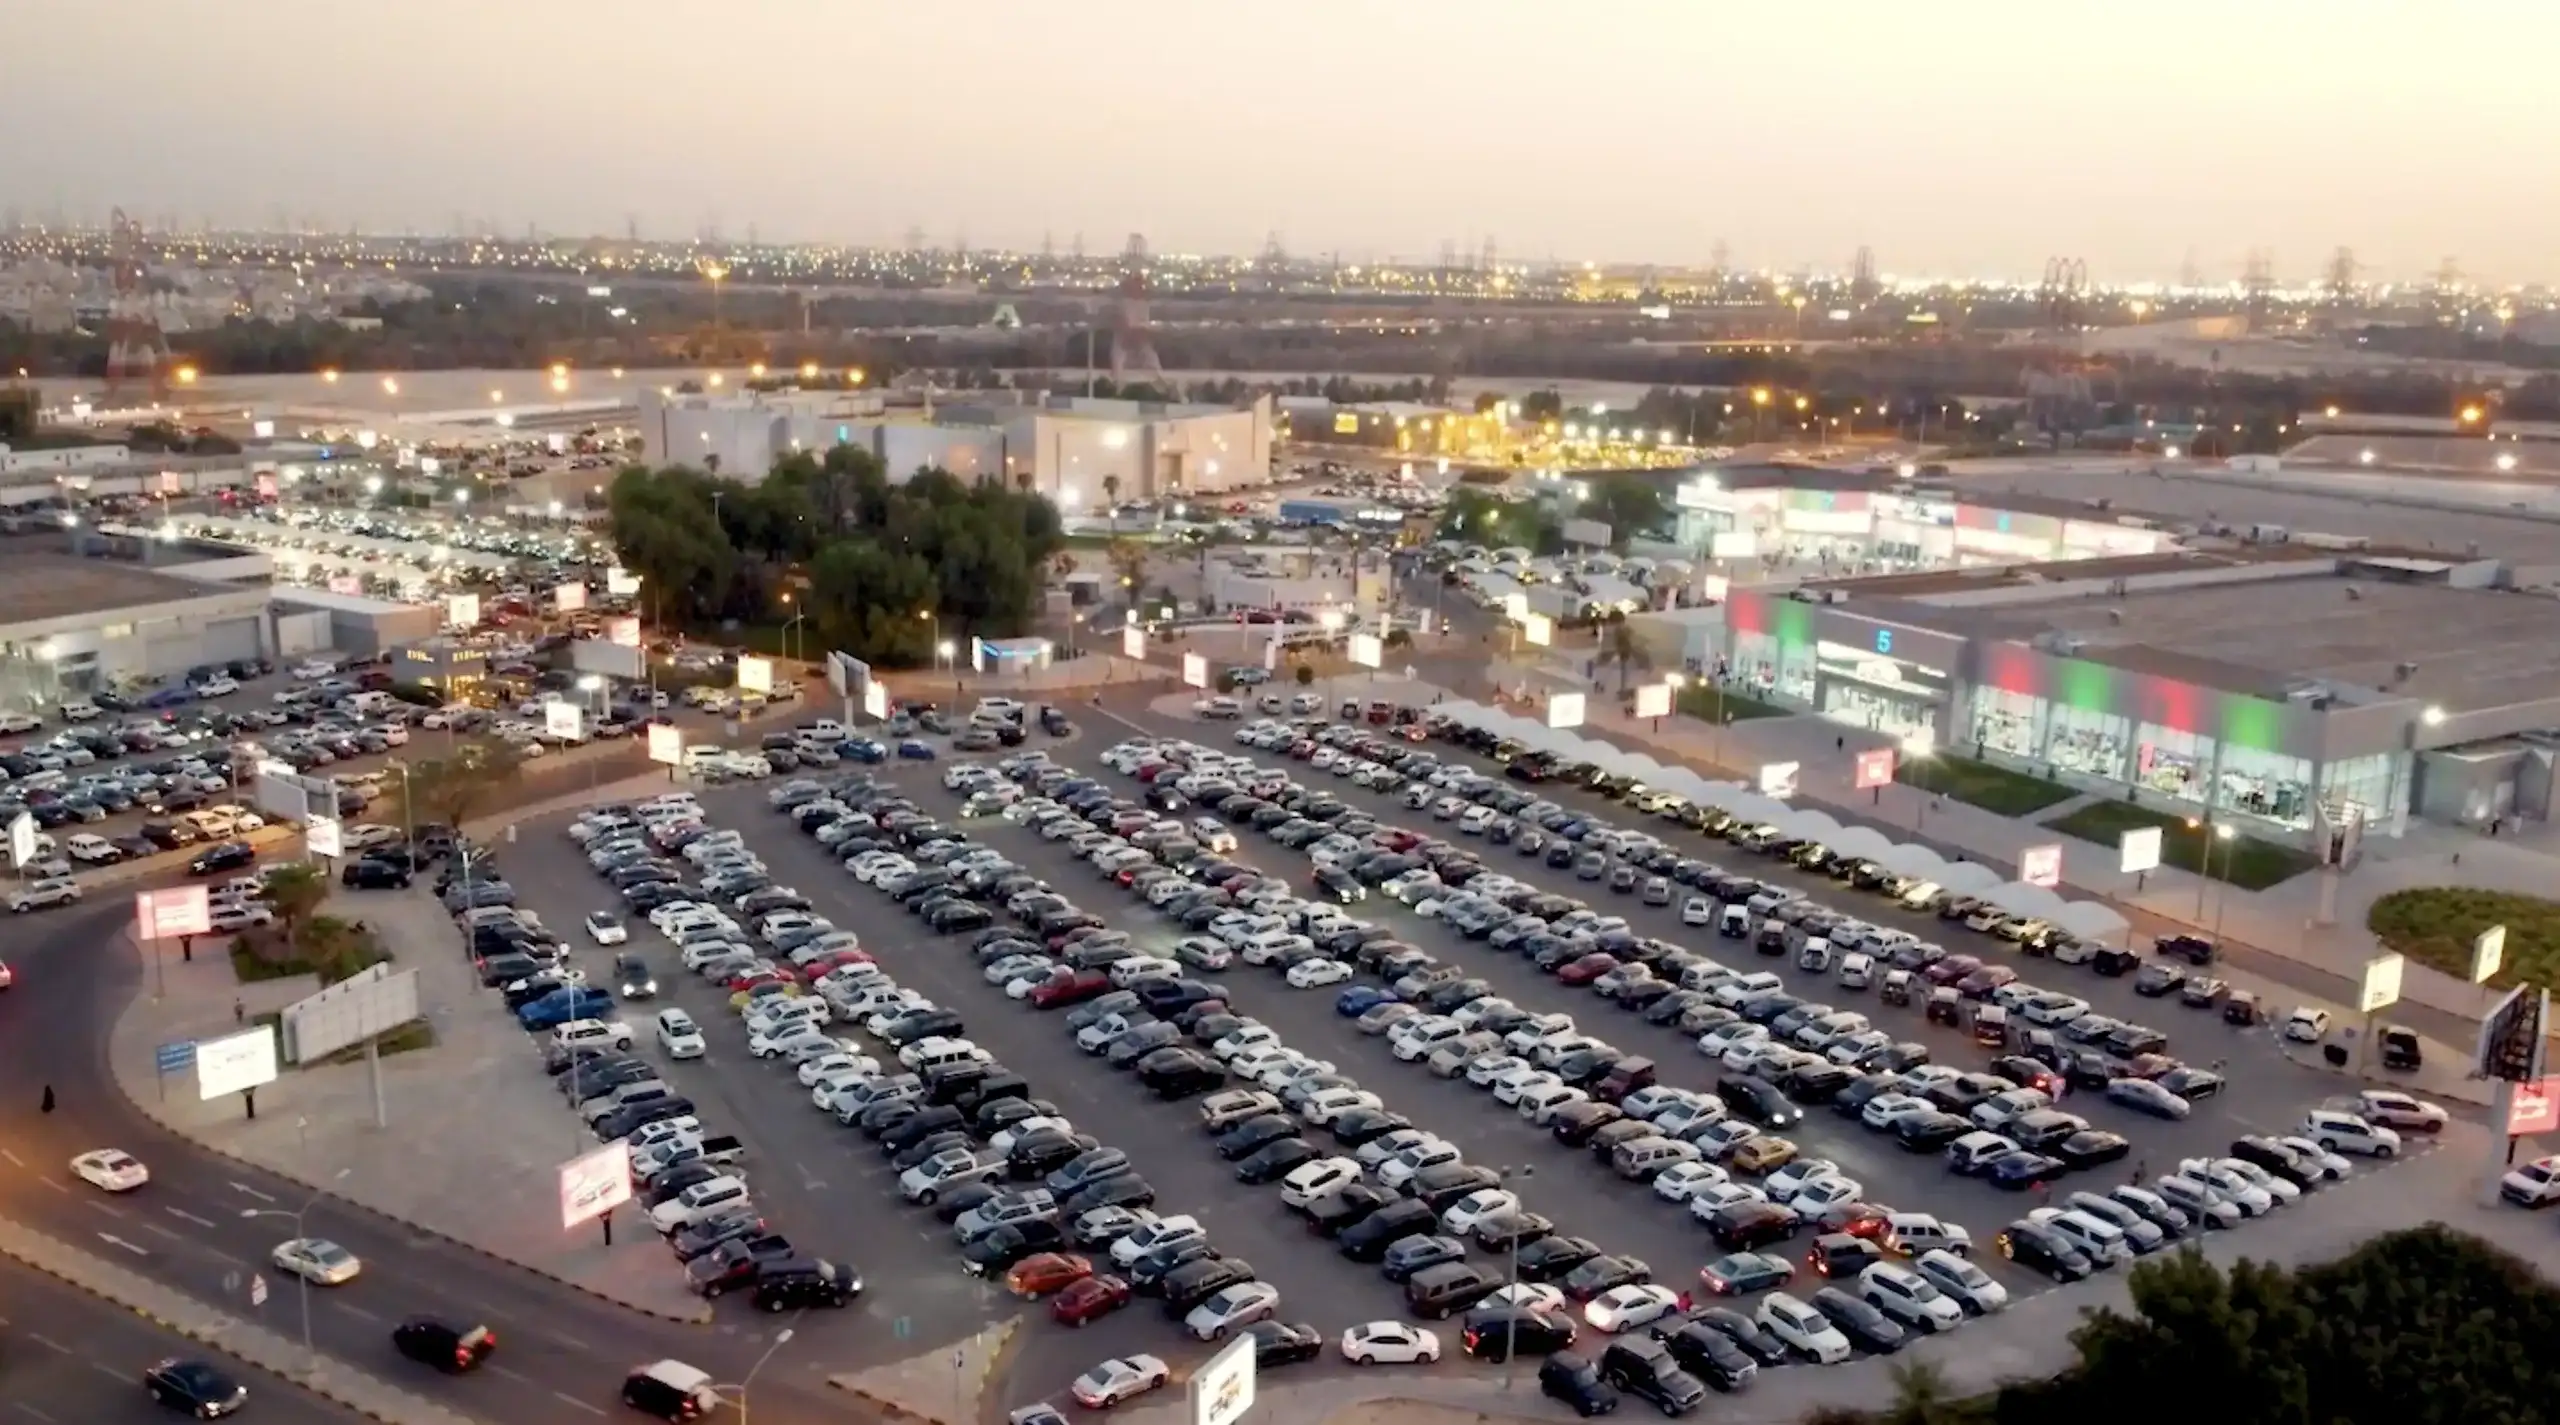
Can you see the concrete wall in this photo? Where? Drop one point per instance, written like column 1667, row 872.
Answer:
column 66, row 460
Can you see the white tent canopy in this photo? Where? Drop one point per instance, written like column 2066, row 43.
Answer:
column 2019, row 898
column 1918, row 862
column 1810, row 825
column 1857, row 843
column 2091, row 921
column 1968, row 878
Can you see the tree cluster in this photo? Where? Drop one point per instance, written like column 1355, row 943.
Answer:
column 2421, row 1327
column 1630, row 505
column 880, row 570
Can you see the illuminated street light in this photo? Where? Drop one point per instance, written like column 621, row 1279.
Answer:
column 390, row 387
column 329, row 374
column 2365, row 456
column 186, row 375
column 946, row 649
column 808, row 371
column 2432, row 717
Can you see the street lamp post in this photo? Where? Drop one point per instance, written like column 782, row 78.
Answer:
column 795, row 621
column 2223, row 831
column 946, row 649
column 1511, row 1285
column 2204, row 863
column 311, row 1357
column 781, row 1339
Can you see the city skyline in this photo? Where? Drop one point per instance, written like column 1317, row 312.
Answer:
column 1654, row 132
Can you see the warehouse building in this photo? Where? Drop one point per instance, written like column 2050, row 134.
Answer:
column 85, row 615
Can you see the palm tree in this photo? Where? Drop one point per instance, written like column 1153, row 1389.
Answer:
column 1111, row 497
column 294, row 893
column 1023, row 481
column 1129, row 561
column 1920, row 1394
column 1625, row 651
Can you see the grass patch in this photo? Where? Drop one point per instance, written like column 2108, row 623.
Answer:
column 263, row 953
column 416, row 1034
column 1992, row 788
column 2244, row 861
column 1710, row 704
column 2435, row 925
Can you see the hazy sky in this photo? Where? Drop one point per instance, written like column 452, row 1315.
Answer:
column 1973, row 137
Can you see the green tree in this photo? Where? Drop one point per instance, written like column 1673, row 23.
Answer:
column 1111, row 498
column 1482, row 517
column 1624, row 651
column 294, row 892
column 1305, row 675
column 1129, row 565
column 458, row 786
column 1630, row 505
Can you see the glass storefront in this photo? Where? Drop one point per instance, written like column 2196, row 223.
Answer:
column 2175, row 763
column 2268, row 785
column 2093, row 744
column 1767, row 668
column 1878, row 692
column 2010, row 723
column 2368, row 785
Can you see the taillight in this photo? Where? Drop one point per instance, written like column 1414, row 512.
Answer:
column 461, row 1357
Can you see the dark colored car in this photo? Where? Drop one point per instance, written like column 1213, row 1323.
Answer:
column 445, row 1345
column 2039, row 1248
column 197, row 1387
column 1496, row 1333
column 1568, row 1377
column 1282, row 1344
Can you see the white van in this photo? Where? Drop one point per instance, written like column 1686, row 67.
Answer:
column 1734, row 922
column 679, row 1036
column 372, row 704
column 94, row 850
column 938, row 1052
column 1857, row 971
column 703, row 757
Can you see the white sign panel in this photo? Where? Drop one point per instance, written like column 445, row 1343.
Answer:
column 2380, row 988
column 1734, row 544
column 1564, row 709
column 1221, row 1392
column 1537, row 630
column 875, row 700
column 1515, row 606
column 563, row 721
column 1195, row 670
column 1716, row 587
column 2488, row 954
column 1653, row 700
column 236, row 1061
column 180, row 910
column 2138, row 850
column 462, row 610
column 22, row 838
column 666, row 743
column 755, row 675
column 372, row 1002
column 2041, row 866
column 322, row 836
column 1778, row 779
column 598, row 1183
column 1133, row 642
column 622, row 632
column 621, row 583
column 570, row 597
column 1367, row 651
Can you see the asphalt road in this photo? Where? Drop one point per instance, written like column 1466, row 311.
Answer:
column 68, row 1358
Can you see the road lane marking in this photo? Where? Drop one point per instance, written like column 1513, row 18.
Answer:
column 352, row 1309
column 511, row 1374
column 49, row 1343
column 108, row 1371
column 157, row 1230
column 33, row 1411
column 253, row 1192
column 13, row 1158
column 57, row 1187
column 103, row 1207
column 191, row 1217
column 582, row 1405
column 114, row 1241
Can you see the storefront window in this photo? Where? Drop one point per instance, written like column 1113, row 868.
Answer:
column 2093, row 744
column 2366, row 784
column 2177, row 763
column 2267, row 785
column 2008, row 722
column 1795, row 673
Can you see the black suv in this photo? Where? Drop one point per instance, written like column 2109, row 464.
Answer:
column 372, row 875
column 1644, row 1367
column 805, row 1282
column 1568, row 1377
column 436, row 1342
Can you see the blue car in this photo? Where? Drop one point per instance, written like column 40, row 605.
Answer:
column 916, row 750
column 562, row 1005
column 1357, row 1000
column 170, row 698
column 863, row 749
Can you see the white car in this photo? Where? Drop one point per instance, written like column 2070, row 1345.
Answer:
column 1484, row 1073
column 1160, row 1233
column 110, row 1168
column 1536, row 1295
column 679, row 1036
column 2347, row 1133
column 2394, row 1109
column 605, row 929
column 1820, row 1195
column 1625, row 1308
column 1238, row 1305
column 1698, row 910
column 316, row 1260
column 1309, row 1183
column 1909, row 1298
column 1389, row 1343
column 1681, row 1181
column 2306, row 1025
column 1114, row 1381
column 1316, row 974
column 1471, row 1211
column 2535, row 1184
column 1970, row 1286
column 1802, row 1329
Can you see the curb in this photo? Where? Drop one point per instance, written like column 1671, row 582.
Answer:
column 319, row 1383
column 996, row 1355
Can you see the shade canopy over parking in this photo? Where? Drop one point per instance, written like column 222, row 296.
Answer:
column 2088, row 920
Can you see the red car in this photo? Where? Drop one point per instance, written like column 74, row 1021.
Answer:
column 1089, row 1300
column 1586, row 969
column 1073, row 988
column 749, row 979
column 835, row 960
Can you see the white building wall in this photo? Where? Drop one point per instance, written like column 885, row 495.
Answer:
column 68, row 460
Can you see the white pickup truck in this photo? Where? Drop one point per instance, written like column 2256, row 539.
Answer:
column 716, row 1148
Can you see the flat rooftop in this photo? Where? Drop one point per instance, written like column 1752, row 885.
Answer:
column 2469, row 649
column 41, row 580
column 1933, row 584
column 2400, row 520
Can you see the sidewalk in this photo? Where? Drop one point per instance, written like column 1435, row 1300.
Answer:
column 360, row 1391
column 471, row 1133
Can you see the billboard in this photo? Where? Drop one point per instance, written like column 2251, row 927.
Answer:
column 375, row 1001
column 847, row 674
column 621, row 583
column 666, row 743
column 2510, row 1042
column 2379, row 987
column 2534, row 1109
column 265, row 484
column 1875, row 769
column 1537, row 630
column 1221, row 1392
column 1716, row 587
column 1133, row 642
column 2138, row 850
column 622, row 632
column 1195, row 670
column 345, row 584
column 1733, row 544
column 2041, row 865
column 755, row 675
column 288, row 796
column 875, row 701
column 564, row 721
column 1564, row 709
column 235, row 1062
column 1778, row 779
column 322, row 836
column 462, row 610
column 2488, row 953
column 598, row 1183
column 1587, row 532
column 1515, row 606
column 569, row 597
column 164, row 915
column 1367, row 650
column 1653, row 700
column 609, row 659
column 22, row 838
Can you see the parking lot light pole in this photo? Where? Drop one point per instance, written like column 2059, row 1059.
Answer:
column 2204, row 864
column 781, row 1339
column 2222, row 831
column 311, row 1357
column 1511, row 1284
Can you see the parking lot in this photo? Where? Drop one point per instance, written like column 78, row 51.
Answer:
column 823, row 1184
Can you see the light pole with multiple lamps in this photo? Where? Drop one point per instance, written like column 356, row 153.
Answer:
column 311, row 1357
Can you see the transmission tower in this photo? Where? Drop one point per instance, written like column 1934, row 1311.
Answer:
column 137, row 352
column 2258, row 279
column 1862, row 275
column 2340, row 279
column 1133, row 348
column 2064, row 292
column 915, row 239
column 2190, row 276
column 1275, row 253
column 1448, row 261
column 1488, row 261
column 2448, row 278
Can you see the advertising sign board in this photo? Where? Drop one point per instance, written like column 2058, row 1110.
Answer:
column 2138, row 850
column 755, row 675
column 1221, row 1392
column 1653, row 700
column 2041, row 865
column 875, row 701
column 353, row 1010
column 236, row 1061
column 570, row 597
column 2534, row 1109
column 2488, row 954
column 622, row 632
column 666, row 744
column 599, row 1182
column 22, row 838
column 1133, row 642
column 179, row 910
column 1195, row 670
column 322, row 836
column 1875, row 769
column 563, row 721
column 1591, row 533
column 1778, row 779
column 1367, row 651
column 2379, row 987
column 621, row 583
column 1537, row 630
column 1564, row 709
column 608, row 659
column 462, row 610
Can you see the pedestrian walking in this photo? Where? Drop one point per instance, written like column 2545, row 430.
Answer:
column 2141, row 1171
column 239, row 1010
column 48, row 1098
